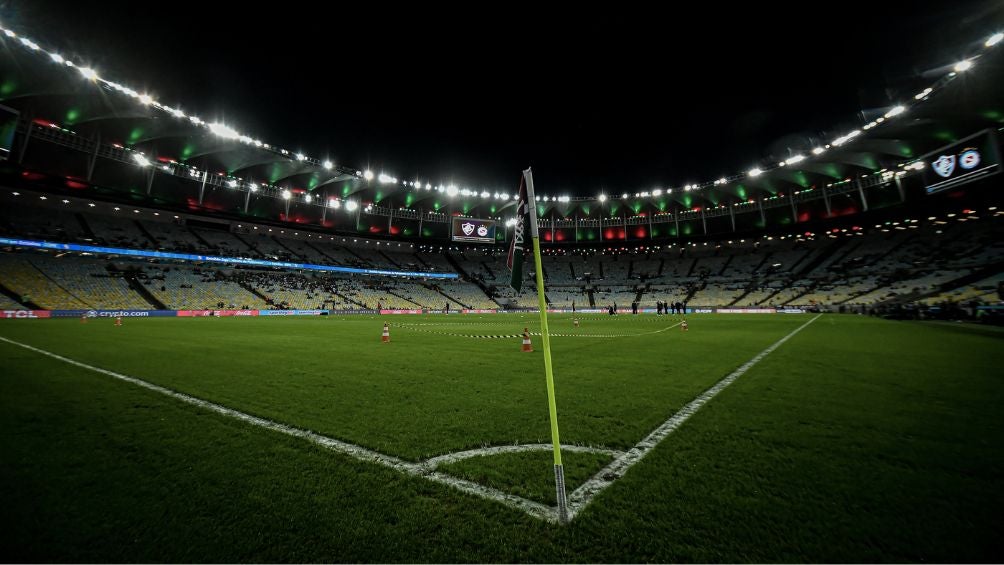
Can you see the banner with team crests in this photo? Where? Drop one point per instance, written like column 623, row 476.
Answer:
column 478, row 311
column 398, row 311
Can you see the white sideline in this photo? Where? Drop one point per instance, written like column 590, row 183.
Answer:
column 583, row 495
column 577, row 500
column 532, row 508
column 517, row 448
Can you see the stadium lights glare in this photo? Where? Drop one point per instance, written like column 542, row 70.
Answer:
column 428, row 186
column 510, row 222
column 333, row 203
column 253, row 187
column 795, row 159
column 451, row 190
column 351, row 205
column 895, row 111
column 994, row 39
column 286, row 195
column 229, row 133
column 754, row 172
column 485, row 194
column 141, row 159
column 963, row 66
column 844, row 139
column 603, row 198
column 368, row 174
column 222, row 130
column 657, row 192
column 307, row 199
column 232, row 183
column 384, row 178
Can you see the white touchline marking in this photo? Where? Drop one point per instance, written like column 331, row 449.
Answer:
column 583, row 495
column 532, row 508
column 517, row 448
column 578, row 499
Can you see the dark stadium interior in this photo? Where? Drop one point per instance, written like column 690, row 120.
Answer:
column 801, row 200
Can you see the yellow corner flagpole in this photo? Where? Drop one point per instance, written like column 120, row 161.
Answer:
column 559, row 472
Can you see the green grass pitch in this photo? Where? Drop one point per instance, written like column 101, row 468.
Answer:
column 856, row 440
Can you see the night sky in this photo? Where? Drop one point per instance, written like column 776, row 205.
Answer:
column 594, row 100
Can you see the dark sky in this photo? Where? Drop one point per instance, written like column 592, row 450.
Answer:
column 618, row 99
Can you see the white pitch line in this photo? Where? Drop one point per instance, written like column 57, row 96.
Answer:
column 421, row 469
column 426, row 469
column 583, row 495
column 517, row 448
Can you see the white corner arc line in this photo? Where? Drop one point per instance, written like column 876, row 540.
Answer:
column 425, row 469
column 516, row 448
column 582, row 496
column 532, row 508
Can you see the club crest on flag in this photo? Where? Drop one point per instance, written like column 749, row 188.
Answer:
column 517, row 248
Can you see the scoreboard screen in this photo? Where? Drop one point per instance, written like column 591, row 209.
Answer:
column 474, row 231
column 965, row 161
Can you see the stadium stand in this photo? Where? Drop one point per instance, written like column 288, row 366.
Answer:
column 929, row 262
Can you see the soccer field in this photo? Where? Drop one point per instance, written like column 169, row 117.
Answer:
column 307, row 439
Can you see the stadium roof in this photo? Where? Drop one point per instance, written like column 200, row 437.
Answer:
column 65, row 94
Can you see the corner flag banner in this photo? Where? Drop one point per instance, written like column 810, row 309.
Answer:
column 517, row 249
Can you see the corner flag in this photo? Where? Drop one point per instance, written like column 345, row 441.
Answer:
column 517, row 249
column 524, row 204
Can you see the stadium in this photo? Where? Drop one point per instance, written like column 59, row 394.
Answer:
column 223, row 347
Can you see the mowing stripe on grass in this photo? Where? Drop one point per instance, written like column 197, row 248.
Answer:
column 532, row 508
column 583, row 495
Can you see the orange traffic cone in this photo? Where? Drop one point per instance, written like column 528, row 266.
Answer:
column 683, row 325
column 386, row 334
column 118, row 320
column 527, row 344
